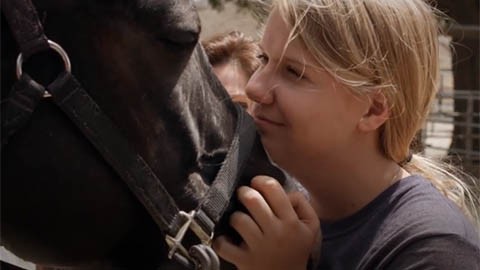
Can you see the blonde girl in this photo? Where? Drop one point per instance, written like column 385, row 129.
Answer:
column 343, row 88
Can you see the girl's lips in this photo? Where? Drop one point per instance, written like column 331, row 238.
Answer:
column 261, row 121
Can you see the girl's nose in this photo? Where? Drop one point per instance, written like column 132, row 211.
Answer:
column 260, row 88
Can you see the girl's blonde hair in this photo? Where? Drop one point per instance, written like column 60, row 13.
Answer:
column 389, row 46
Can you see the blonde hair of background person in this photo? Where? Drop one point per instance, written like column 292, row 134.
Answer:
column 344, row 87
column 233, row 57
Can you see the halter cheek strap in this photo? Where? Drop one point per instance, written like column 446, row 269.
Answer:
column 22, row 16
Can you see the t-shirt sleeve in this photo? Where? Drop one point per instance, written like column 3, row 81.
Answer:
column 438, row 252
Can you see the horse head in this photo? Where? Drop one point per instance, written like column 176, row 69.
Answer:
column 61, row 202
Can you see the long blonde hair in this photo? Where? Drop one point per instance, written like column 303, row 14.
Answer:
column 391, row 46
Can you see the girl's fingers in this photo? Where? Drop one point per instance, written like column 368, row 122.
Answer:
column 304, row 210
column 257, row 207
column 246, row 227
column 228, row 251
column 275, row 196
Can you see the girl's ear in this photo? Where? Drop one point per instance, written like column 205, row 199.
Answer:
column 378, row 112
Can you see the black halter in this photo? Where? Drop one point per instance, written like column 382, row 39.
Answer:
column 77, row 104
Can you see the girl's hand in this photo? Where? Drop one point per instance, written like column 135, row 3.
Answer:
column 278, row 234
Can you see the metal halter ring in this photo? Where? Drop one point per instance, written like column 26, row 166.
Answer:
column 54, row 46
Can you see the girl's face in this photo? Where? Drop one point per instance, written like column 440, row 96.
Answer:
column 303, row 114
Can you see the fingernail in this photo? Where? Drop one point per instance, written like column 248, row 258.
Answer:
column 242, row 189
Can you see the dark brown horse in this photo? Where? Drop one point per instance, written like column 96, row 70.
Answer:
column 61, row 203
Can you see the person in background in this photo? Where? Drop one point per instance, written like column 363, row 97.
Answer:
column 343, row 88
column 234, row 58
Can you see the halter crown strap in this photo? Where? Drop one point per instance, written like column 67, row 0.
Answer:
column 28, row 31
column 25, row 93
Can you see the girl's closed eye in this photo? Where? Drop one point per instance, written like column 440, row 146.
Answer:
column 298, row 74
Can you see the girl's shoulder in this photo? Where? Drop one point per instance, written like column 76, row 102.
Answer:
column 410, row 223
column 415, row 209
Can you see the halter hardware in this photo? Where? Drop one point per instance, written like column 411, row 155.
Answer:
column 57, row 48
column 175, row 243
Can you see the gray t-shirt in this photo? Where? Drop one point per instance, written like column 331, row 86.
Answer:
column 408, row 226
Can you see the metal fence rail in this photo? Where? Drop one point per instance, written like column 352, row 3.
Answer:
column 438, row 132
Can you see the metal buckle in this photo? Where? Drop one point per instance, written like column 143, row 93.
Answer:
column 175, row 243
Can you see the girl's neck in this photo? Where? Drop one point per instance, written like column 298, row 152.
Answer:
column 340, row 192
